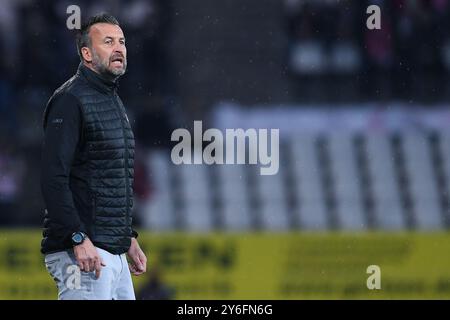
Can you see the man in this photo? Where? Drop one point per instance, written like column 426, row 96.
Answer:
column 87, row 174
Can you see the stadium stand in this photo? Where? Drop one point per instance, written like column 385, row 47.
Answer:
column 334, row 180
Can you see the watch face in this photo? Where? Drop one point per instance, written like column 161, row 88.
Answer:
column 77, row 238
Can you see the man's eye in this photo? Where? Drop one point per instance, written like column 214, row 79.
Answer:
column 108, row 41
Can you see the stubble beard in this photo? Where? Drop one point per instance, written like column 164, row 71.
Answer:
column 102, row 67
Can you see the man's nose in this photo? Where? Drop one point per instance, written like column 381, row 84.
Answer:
column 118, row 48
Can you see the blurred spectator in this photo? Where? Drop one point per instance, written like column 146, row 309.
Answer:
column 11, row 181
column 404, row 59
column 154, row 288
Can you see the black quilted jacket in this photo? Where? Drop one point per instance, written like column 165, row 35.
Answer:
column 87, row 165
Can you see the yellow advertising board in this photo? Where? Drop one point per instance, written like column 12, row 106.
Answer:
column 260, row 265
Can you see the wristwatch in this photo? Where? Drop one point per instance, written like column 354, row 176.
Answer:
column 78, row 238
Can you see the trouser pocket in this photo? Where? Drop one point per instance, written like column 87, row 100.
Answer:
column 70, row 281
column 53, row 262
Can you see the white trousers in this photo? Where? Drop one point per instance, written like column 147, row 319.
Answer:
column 114, row 282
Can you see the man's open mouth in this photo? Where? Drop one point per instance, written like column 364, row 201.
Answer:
column 117, row 61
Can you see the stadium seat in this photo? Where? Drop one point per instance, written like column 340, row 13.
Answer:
column 347, row 185
column 422, row 184
column 387, row 201
column 271, row 194
column 311, row 212
column 196, row 197
column 233, row 193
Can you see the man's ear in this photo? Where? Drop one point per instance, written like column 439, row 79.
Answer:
column 87, row 54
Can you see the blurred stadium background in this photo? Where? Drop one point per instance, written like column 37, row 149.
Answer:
column 364, row 157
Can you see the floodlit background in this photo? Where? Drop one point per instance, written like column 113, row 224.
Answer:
column 364, row 124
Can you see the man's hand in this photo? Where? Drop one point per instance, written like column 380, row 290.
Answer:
column 88, row 258
column 138, row 259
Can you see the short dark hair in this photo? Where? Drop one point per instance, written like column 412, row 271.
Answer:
column 83, row 39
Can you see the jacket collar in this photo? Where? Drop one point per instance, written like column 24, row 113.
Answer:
column 96, row 80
